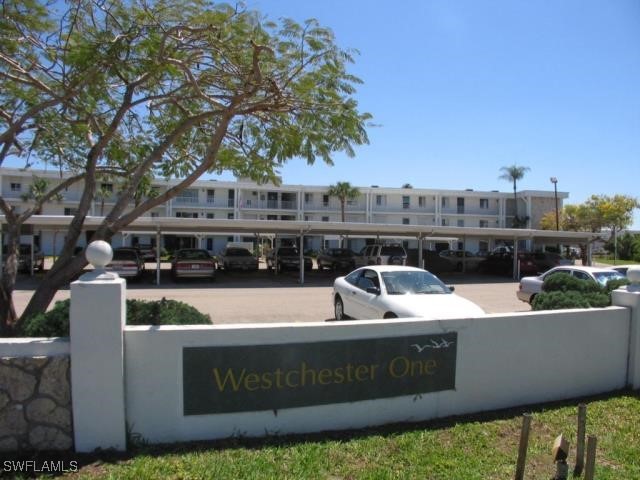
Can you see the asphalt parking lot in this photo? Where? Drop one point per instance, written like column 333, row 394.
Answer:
column 263, row 297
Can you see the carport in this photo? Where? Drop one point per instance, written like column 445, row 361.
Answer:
column 159, row 226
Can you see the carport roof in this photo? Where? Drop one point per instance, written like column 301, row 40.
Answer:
column 171, row 225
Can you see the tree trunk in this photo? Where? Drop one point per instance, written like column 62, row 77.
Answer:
column 10, row 265
column 53, row 281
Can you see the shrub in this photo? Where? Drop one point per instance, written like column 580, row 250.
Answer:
column 55, row 323
column 561, row 282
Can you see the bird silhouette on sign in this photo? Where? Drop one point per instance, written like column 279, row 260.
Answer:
column 434, row 344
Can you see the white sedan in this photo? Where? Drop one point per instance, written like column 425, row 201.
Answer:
column 387, row 291
column 531, row 286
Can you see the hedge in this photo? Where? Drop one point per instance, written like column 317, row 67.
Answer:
column 55, row 323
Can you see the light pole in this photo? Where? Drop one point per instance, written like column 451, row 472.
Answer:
column 554, row 180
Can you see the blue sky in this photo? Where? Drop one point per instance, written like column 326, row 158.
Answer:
column 460, row 88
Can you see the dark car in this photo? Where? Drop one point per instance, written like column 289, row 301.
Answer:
column 547, row 260
column 147, row 251
column 237, row 258
column 24, row 258
column 193, row 263
column 336, row 259
column 501, row 263
column 287, row 258
column 127, row 263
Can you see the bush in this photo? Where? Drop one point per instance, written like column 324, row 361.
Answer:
column 55, row 323
column 571, row 299
column 562, row 291
column 561, row 282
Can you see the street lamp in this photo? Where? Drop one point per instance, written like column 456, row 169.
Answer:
column 554, row 180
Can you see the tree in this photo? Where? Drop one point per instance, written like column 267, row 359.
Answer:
column 597, row 213
column 180, row 89
column 514, row 173
column 344, row 191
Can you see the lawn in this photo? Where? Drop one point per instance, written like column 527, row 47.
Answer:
column 473, row 447
column 609, row 261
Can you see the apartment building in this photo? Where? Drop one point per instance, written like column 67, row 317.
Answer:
column 244, row 199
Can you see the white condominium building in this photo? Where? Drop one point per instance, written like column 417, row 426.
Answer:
column 244, row 199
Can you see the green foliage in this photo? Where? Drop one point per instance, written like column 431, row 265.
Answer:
column 562, row 291
column 55, row 323
column 561, row 282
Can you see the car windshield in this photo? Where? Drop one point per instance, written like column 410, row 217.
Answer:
column 238, row 252
column 412, row 283
column 392, row 250
column 340, row 252
column 193, row 255
column 604, row 277
column 124, row 255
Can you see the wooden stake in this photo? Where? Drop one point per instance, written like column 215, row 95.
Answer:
column 524, row 443
column 582, row 427
column 590, row 469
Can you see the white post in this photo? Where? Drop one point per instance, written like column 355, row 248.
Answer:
column 97, row 320
column 629, row 296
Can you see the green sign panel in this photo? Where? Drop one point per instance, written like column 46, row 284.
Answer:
column 272, row 377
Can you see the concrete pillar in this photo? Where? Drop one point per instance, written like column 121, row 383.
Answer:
column 97, row 320
column 629, row 297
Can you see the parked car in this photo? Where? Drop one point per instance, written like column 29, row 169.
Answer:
column 127, row 263
column 623, row 268
column 502, row 264
column 546, row 260
column 460, row 259
column 24, row 258
column 236, row 258
column 388, row 291
column 336, row 259
column 284, row 258
column 193, row 263
column 147, row 251
column 530, row 286
column 381, row 255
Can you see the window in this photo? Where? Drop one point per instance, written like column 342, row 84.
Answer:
column 186, row 215
column 381, row 200
column 155, row 215
column 325, row 200
column 460, row 204
column 106, row 187
column 325, row 219
column 209, row 243
column 444, row 202
column 405, row 221
column 460, row 222
column 308, row 197
column 484, row 224
column 422, row 202
column 444, row 222
column 70, row 211
column 211, row 196
column 187, row 196
column 16, row 187
column 211, row 215
column 406, row 201
column 484, row 203
column 230, row 216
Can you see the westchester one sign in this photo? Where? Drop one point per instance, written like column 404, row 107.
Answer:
column 272, row 377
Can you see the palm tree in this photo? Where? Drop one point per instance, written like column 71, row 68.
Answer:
column 514, row 173
column 344, row 191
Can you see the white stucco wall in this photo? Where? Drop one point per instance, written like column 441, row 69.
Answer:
column 502, row 361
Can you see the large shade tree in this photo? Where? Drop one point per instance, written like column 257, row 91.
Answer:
column 178, row 89
column 514, row 173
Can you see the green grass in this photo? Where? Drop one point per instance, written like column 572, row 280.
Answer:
column 474, row 447
column 609, row 261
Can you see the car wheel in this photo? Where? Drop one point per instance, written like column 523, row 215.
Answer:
column 338, row 308
column 390, row 315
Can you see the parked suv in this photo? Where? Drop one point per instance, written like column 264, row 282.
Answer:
column 381, row 255
column 287, row 258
